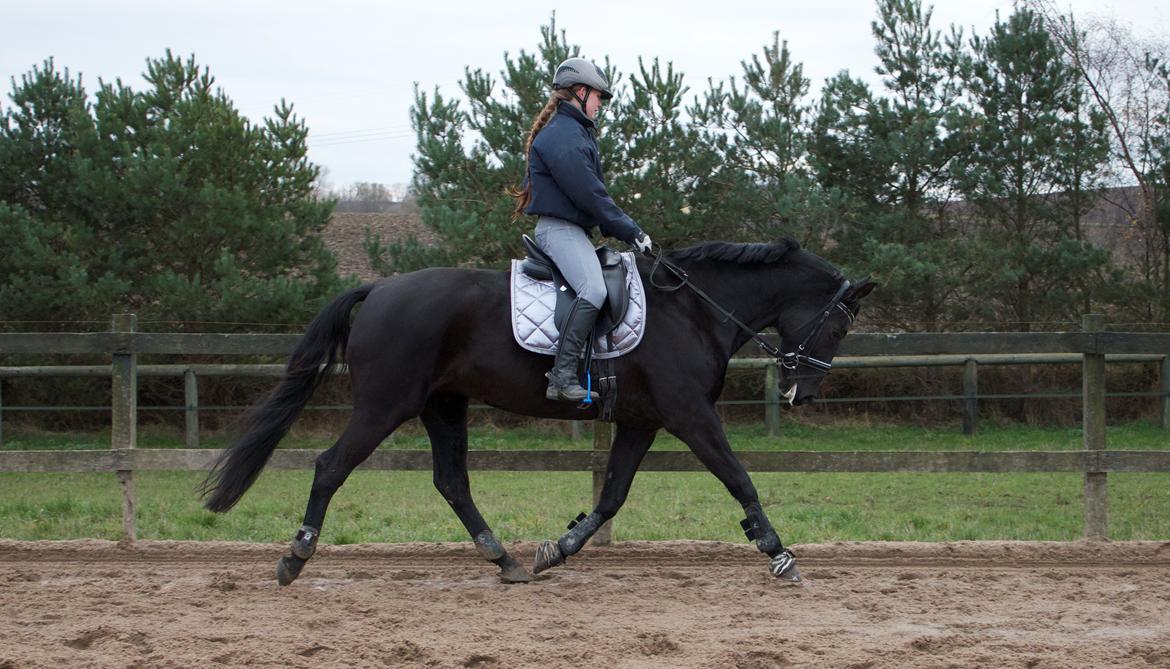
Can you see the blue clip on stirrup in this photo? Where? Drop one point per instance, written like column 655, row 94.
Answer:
column 588, row 387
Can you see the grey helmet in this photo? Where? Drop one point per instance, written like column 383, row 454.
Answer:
column 576, row 71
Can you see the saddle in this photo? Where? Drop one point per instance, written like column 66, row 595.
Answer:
column 540, row 304
column 540, row 266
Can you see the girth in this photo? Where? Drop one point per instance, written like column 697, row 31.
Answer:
column 539, row 265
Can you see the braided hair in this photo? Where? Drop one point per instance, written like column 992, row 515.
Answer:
column 523, row 197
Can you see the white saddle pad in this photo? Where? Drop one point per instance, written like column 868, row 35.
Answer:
column 534, row 303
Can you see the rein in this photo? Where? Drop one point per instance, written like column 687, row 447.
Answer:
column 790, row 360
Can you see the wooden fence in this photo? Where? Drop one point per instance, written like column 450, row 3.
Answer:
column 1091, row 346
column 771, row 401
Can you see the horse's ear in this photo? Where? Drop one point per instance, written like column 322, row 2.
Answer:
column 860, row 289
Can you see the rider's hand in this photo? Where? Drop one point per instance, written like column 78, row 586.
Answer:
column 642, row 243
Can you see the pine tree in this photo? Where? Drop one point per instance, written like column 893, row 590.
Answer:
column 662, row 171
column 166, row 202
column 468, row 158
column 471, row 151
column 1026, row 142
column 888, row 155
column 758, row 130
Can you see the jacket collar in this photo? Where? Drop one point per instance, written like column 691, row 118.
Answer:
column 571, row 110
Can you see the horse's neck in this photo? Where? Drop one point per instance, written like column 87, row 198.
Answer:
column 754, row 294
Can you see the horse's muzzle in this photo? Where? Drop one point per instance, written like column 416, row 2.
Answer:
column 796, row 398
column 804, row 399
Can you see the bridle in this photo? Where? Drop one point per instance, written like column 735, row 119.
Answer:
column 790, row 360
column 793, row 359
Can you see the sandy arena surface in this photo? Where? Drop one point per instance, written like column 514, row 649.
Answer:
column 636, row 604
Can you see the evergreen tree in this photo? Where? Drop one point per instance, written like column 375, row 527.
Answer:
column 662, row 171
column 467, row 159
column 470, row 153
column 1026, row 143
column 166, row 202
column 888, row 157
column 758, row 133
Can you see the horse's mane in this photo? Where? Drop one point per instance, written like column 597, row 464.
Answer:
column 754, row 254
column 742, row 254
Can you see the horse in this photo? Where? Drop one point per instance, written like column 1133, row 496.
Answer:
column 426, row 342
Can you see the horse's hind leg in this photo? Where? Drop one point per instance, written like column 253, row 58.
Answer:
column 629, row 447
column 445, row 418
column 366, row 429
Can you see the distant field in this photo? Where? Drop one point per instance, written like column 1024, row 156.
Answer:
column 403, row 506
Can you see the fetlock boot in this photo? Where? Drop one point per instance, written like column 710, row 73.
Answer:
column 563, row 383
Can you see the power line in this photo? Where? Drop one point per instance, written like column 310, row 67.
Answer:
column 356, row 140
column 336, row 133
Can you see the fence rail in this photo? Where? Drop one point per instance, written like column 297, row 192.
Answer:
column 771, row 401
column 1091, row 347
column 166, row 459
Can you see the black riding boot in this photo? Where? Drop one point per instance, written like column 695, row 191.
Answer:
column 563, row 383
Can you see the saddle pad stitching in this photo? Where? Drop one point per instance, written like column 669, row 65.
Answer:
column 533, row 306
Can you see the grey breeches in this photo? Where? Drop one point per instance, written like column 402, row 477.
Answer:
column 572, row 251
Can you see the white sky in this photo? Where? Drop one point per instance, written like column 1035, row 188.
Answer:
column 349, row 66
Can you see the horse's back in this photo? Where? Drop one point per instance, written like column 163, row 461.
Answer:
column 408, row 309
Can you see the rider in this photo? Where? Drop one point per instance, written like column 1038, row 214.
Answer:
column 564, row 187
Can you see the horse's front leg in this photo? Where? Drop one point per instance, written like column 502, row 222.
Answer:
column 702, row 431
column 629, row 447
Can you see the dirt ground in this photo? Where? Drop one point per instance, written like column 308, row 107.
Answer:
column 636, row 604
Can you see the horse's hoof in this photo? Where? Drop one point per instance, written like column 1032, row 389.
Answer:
column 288, row 569
column 548, row 555
column 783, row 567
column 792, row 576
column 515, row 574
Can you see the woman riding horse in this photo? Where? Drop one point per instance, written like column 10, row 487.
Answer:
column 564, row 187
column 425, row 343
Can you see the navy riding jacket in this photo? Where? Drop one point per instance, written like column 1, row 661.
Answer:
column 565, row 169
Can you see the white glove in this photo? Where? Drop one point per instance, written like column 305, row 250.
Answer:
column 643, row 243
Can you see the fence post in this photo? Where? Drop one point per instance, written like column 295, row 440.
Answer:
column 2, row 412
column 772, row 400
column 191, row 400
column 1166, row 392
column 971, row 393
column 575, row 430
column 1093, row 416
column 124, row 428
column 602, row 441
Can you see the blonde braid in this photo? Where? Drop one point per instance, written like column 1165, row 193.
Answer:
column 523, row 197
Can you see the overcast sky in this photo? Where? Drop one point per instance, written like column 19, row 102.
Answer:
column 348, row 67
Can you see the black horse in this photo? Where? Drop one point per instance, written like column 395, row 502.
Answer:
column 423, row 343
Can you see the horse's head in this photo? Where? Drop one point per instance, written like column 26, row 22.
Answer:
column 810, row 334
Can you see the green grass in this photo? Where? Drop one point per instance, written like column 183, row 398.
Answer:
column 403, row 506
column 751, row 437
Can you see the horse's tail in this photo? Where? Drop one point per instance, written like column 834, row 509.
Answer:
column 238, row 466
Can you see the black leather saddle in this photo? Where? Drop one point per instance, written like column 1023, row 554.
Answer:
column 539, row 265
